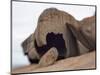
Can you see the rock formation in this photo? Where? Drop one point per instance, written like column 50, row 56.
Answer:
column 58, row 35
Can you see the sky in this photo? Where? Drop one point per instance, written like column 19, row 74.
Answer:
column 24, row 21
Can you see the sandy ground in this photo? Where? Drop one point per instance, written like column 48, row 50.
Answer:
column 85, row 61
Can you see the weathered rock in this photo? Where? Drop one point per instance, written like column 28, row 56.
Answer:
column 54, row 20
column 85, row 61
column 28, row 44
column 88, row 30
column 30, row 50
column 49, row 58
column 59, row 29
column 32, row 54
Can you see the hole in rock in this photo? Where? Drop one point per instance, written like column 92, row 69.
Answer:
column 53, row 40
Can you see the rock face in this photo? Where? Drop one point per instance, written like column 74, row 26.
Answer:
column 85, row 61
column 52, row 55
column 29, row 49
column 60, row 33
column 89, row 30
column 54, row 21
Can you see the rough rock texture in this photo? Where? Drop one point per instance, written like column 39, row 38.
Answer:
column 28, row 44
column 29, row 49
column 85, row 61
column 88, row 28
column 52, row 55
column 59, row 29
column 54, row 20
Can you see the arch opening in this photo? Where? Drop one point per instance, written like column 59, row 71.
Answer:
column 53, row 40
